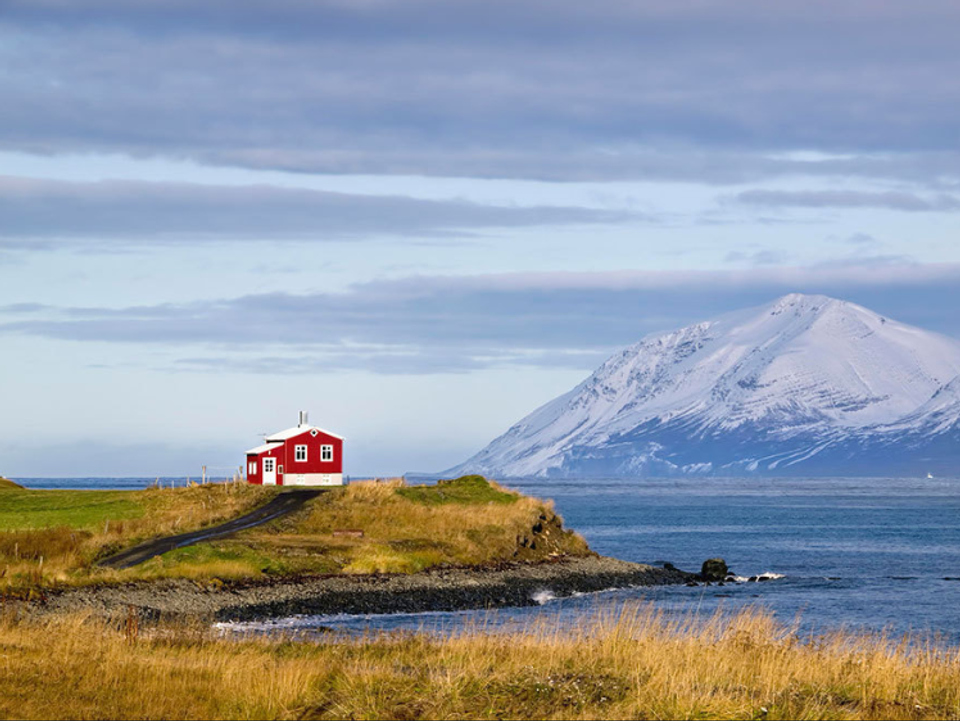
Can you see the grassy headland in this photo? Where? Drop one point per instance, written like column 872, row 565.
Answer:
column 630, row 664
column 385, row 527
column 54, row 537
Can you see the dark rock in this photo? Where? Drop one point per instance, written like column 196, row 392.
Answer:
column 669, row 566
column 714, row 569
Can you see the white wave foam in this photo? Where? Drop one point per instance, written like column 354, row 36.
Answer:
column 544, row 596
column 767, row 576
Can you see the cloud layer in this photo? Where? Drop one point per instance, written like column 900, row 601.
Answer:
column 168, row 212
column 705, row 90
column 447, row 324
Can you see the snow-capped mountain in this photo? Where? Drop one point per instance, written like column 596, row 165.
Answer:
column 805, row 385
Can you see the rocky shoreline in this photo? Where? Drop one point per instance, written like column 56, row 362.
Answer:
column 447, row 589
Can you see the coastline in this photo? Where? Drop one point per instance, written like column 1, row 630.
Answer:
column 441, row 589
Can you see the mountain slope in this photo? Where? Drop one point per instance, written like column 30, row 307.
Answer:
column 801, row 384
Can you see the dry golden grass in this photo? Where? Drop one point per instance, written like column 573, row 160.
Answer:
column 629, row 663
column 474, row 531
column 470, row 521
column 60, row 533
column 466, row 522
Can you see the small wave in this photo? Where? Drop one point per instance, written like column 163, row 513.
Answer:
column 544, row 596
column 768, row 576
column 771, row 576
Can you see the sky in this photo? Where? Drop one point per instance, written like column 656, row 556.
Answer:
column 421, row 220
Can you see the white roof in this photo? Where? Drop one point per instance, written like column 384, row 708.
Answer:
column 296, row 431
column 264, row 448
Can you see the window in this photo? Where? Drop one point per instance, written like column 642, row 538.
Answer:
column 326, row 453
column 268, row 464
column 280, row 470
column 314, row 432
column 300, row 453
column 253, row 468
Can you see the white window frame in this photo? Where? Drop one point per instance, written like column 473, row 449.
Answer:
column 326, row 453
column 253, row 468
column 273, row 465
column 297, row 451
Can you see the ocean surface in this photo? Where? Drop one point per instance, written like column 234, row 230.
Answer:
column 872, row 554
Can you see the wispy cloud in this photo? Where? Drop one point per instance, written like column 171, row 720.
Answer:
column 429, row 324
column 756, row 258
column 890, row 200
column 47, row 212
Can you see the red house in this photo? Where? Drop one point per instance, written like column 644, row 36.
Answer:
column 300, row 456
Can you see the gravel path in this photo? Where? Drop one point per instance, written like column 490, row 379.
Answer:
column 433, row 590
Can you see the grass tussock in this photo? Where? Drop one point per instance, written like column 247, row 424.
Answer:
column 462, row 491
column 468, row 521
column 631, row 663
column 54, row 537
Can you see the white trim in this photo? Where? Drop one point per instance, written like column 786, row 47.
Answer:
column 296, row 453
column 264, row 448
column 326, row 453
column 313, row 479
column 298, row 430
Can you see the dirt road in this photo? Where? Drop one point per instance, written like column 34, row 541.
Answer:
column 286, row 502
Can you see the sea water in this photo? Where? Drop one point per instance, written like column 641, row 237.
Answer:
column 870, row 554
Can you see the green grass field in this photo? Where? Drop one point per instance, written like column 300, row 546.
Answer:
column 81, row 510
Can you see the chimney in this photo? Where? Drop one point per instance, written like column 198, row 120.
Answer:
column 303, row 419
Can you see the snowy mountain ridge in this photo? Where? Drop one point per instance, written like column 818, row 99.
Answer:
column 790, row 385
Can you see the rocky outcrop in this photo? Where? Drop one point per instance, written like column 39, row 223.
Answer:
column 714, row 570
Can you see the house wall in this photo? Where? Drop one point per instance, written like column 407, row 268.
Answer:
column 312, row 472
column 313, row 464
column 257, row 477
column 253, row 477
